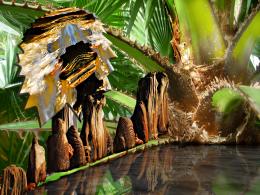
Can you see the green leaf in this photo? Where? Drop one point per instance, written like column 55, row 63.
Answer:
column 19, row 17
column 121, row 98
column 252, row 95
column 197, row 22
column 226, row 100
column 110, row 12
column 147, row 63
column 150, row 8
column 14, row 148
column 136, row 7
column 239, row 53
column 152, row 27
column 26, row 125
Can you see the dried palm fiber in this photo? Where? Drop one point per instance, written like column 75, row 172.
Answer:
column 59, row 150
column 36, row 171
column 60, row 51
column 125, row 135
column 14, row 181
column 182, row 91
column 78, row 158
column 93, row 133
column 152, row 91
column 210, row 119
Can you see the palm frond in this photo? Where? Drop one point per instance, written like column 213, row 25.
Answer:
column 136, row 52
column 199, row 28
column 226, row 100
column 149, row 24
column 252, row 95
column 122, row 99
column 238, row 53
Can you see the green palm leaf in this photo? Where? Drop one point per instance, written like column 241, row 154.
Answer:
column 149, row 24
column 137, row 54
column 225, row 100
column 121, row 98
column 197, row 23
column 252, row 95
column 239, row 52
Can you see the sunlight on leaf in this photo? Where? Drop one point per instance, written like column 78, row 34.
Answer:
column 121, row 98
column 253, row 96
column 239, row 56
column 147, row 63
column 198, row 22
column 226, row 100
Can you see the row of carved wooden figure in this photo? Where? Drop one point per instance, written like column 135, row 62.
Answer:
column 67, row 149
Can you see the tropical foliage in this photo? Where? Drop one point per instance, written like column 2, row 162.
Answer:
column 150, row 35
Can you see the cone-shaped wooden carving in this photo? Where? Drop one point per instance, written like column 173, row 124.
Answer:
column 59, row 150
column 78, row 159
column 125, row 135
column 36, row 171
column 94, row 134
column 14, row 181
column 152, row 106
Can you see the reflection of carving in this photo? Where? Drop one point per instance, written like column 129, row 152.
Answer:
column 125, row 135
column 60, row 187
column 170, row 170
column 14, row 181
column 78, row 158
column 59, row 150
column 121, row 167
column 147, row 175
column 91, row 179
column 36, row 171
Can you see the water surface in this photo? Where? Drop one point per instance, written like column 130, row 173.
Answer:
column 170, row 170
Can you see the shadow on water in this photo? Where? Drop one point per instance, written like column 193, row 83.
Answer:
column 169, row 170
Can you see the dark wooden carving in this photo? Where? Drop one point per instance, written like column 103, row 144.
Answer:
column 147, row 92
column 140, row 123
column 94, row 134
column 14, row 181
column 36, row 171
column 163, row 115
column 78, row 159
column 152, row 98
column 59, row 150
column 125, row 135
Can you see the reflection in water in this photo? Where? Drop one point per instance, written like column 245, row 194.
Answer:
column 169, row 170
